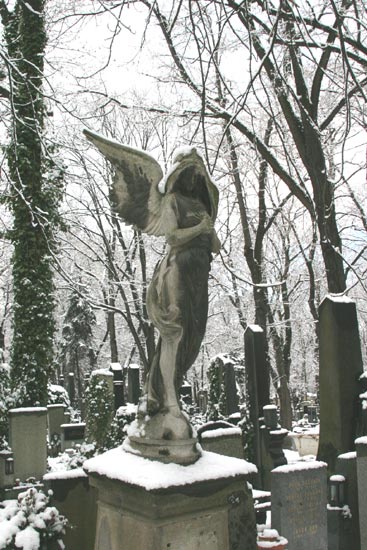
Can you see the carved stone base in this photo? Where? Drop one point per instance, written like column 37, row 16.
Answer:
column 177, row 451
column 166, row 436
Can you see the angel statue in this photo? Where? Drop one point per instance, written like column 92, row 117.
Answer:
column 182, row 207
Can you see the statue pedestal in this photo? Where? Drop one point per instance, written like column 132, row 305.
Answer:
column 145, row 504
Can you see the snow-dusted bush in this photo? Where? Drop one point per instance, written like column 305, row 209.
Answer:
column 123, row 417
column 58, row 395
column 100, row 410
column 30, row 524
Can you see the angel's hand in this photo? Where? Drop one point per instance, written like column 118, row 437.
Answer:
column 206, row 224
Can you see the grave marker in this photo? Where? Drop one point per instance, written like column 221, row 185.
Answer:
column 133, row 382
column 72, row 434
column 28, row 441
column 298, row 504
column 340, row 368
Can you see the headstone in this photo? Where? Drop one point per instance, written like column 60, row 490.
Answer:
column 186, row 393
column 118, row 391
column 72, row 434
column 117, row 372
column 56, row 417
column 229, row 379
column 272, row 438
column 71, row 388
column 255, row 363
column 339, row 517
column 258, row 392
column 151, row 505
column 6, row 469
column 340, row 368
column 298, row 504
column 202, row 396
column 133, row 382
column 225, row 441
column 346, row 465
column 361, row 446
column 28, row 441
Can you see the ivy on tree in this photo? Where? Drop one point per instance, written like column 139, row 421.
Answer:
column 34, row 197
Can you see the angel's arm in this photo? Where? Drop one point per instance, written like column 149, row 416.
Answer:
column 176, row 236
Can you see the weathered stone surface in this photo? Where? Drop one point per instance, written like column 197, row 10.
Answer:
column 28, row 440
column 298, row 504
column 133, row 384
column 340, row 368
column 71, row 434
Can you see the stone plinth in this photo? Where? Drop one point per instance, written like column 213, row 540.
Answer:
column 146, row 504
column 28, row 440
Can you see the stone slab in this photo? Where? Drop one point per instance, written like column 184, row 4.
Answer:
column 361, row 446
column 28, row 440
column 299, row 504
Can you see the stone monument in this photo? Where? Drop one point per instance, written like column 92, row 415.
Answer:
column 175, row 496
column 341, row 366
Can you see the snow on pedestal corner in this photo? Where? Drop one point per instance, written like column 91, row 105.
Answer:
column 361, row 440
column 120, row 465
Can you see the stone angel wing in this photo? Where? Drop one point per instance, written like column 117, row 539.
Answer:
column 135, row 193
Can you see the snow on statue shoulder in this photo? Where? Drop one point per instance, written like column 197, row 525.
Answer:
column 182, row 206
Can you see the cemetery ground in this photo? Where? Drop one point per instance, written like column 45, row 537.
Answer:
column 66, row 481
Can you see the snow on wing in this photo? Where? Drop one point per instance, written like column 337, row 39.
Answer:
column 135, row 192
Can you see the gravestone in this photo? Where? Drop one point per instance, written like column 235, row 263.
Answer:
column 72, row 434
column 225, row 441
column 348, row 529
column 340, row 535
column 186, row 393
column 361, row 446
column 118, row 392
column 6, row 470
column 71, row 388
column 257, row 380
column 133, row 384
column 298, row 504
column 272, row 438
column 55, row 417
column 28, row 441
column 116, row 369
column 340, row 368
column 202, row 397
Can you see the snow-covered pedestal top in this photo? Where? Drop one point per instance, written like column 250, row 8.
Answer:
column 299, row 466
column 152, row 475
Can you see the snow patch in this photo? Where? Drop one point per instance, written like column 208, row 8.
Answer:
column 220, row 432
column 65, row 474
column 255, row 328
